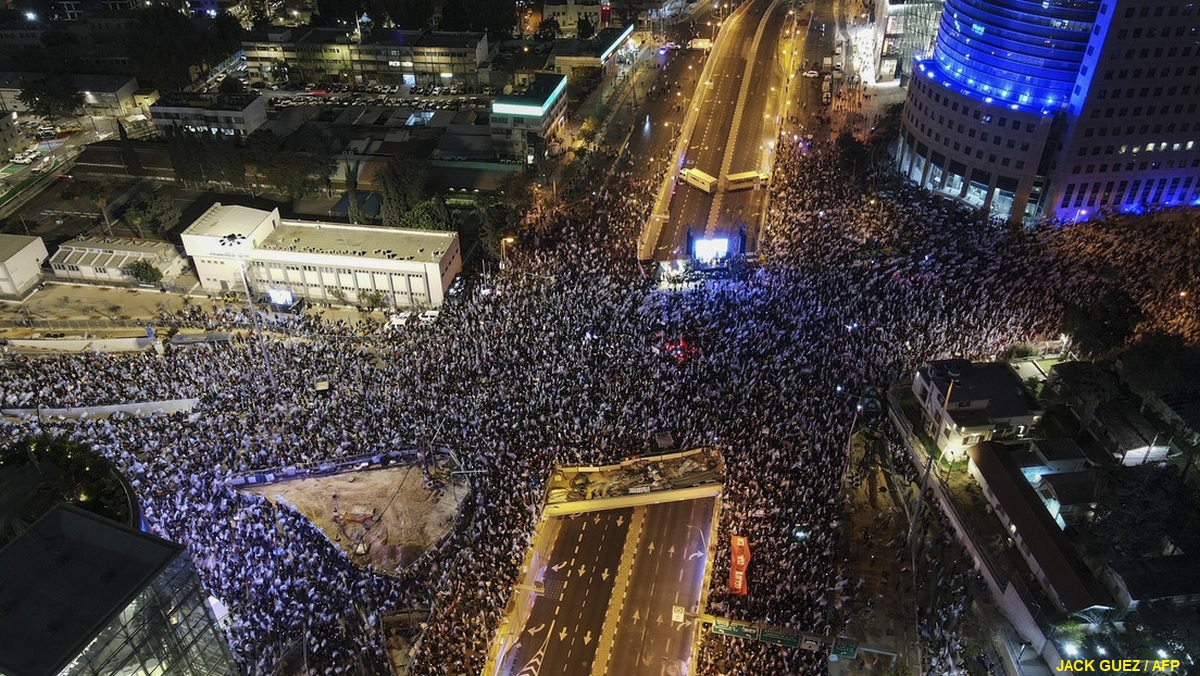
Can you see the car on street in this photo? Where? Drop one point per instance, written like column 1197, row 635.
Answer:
column 811, row 73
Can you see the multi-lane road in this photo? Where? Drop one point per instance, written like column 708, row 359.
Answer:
column 750, row 86
column 604, row 600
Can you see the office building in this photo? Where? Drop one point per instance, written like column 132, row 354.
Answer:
column 237, row 115
column 81, row 594
column 339, row 264
column 1057, row 109
column 524, row 124
column 12, row 141
column 392, row 56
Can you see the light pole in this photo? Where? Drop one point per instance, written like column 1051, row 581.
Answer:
column 504, row 244
column 234, row 242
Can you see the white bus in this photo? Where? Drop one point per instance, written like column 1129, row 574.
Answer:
column 699, row 179
column 745, row 180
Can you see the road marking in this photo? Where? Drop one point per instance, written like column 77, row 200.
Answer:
column 582, row 570
column 604, row 575
column 559, row 566
column 537, row 629
column 562, row 635
column 671, row 551
column 587, row 638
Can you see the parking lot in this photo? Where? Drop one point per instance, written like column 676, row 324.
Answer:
column 381, row 95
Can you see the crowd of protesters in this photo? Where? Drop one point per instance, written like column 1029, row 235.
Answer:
column 560, row 359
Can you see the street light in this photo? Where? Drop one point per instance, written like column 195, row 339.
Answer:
column 234, row 242
column 504, row 244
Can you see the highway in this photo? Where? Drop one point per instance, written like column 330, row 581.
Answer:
column 561, row 632
column 668, row 572
column 733, row 123
column 608, row 587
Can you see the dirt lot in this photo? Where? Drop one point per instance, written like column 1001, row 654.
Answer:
column 386, row 517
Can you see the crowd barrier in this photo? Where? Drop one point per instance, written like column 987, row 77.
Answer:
column 81, row 344
column 135, row 409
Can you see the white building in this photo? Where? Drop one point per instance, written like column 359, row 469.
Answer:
column 568, row 13
column 228, row 114
column 323, row 262
column 103, row 260
column 523, row 125
column 987, row 401
column 21, row 258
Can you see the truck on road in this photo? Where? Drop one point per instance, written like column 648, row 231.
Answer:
column 699, row 179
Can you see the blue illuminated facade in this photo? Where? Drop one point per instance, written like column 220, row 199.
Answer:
column 1016, row 51
column 1059, row 108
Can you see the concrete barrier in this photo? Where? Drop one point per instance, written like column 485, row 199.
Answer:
column 81, row 344
column 144, row 408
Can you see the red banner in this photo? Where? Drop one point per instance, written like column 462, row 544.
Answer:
column 738, row 563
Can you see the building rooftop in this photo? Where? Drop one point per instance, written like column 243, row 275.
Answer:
column 1160, row 577
column 540, row 96
column 1058, row 450
column 64, row 580
column 86, row 82
column 1072, row 488
column 993, row 382
column 451, row 39
column 106, row 244
column 357, row 241
column 1046, row 543
column 10, row 245
column 219, row 101
column 222, row 220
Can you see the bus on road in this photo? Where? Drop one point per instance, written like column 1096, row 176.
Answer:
column 699, row 179
column 744, row 181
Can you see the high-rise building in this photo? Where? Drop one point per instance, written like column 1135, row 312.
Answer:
column 81, row 595
column 1058, row 108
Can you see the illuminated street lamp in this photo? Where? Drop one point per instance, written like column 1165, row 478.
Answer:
column 504, row 244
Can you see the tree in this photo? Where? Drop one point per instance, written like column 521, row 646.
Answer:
column 231, row 85
column 431, row 214
column 297, row 166
column 51, row 97
column 548, row 30
column 584, row 28
column 1103, row 326
column 154, row 210
column 144, row 271
column 354, row 210
column 97, row 193
column 403, row 184
column 1158, row 364
column 372, row 300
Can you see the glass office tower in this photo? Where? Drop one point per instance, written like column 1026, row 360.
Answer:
column 82, row 595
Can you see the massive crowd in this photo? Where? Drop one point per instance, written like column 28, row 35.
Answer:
column 559, row 360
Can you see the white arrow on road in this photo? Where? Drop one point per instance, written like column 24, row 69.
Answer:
column 562, row 635
column 671, row 551
column 558, row 567
column 587, row 638
column 620, row 520
column 651, row 547
column 637, row 615
column 596, row 520
column 659, row 620
column 604, row 575
column 537, row 629
column 695, row 554
column 582, row 570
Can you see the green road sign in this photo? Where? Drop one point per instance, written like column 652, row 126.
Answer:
column 847, row 650
column 779, row 636
column 735, row 628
